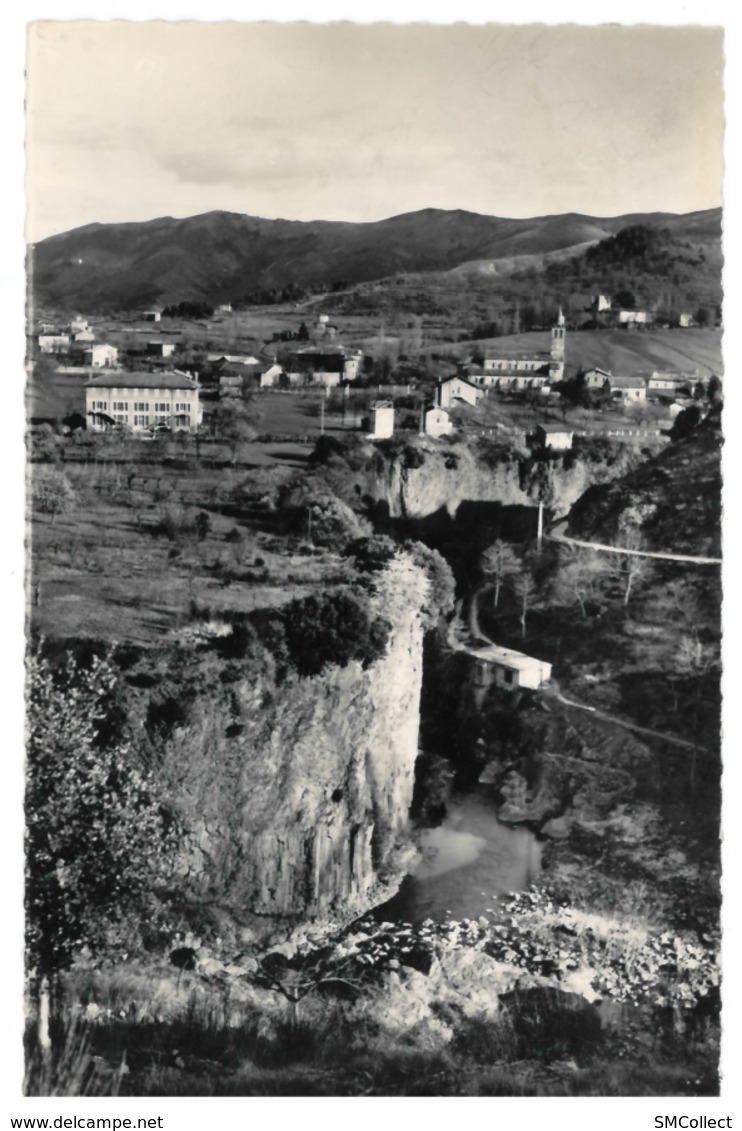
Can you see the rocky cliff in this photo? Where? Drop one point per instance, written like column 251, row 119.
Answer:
column 299, row 794
column 433, row 476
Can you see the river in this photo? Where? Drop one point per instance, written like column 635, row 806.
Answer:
column 467, row 862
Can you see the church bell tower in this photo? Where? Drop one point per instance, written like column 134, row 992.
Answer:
column 556, row 362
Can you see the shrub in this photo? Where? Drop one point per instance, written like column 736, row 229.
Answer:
column 99, row 844
column 176, row 522
column 322, row 517
column 42, row 444
column 442, row 583
column 202, row 524
column 371, row 554
column 327, row 449
column 333, row 629
column 52, row 493
column 412, row 457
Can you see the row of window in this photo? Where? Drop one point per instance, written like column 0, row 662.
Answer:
column 181, row 409
column 140, row 418
column 524, row 365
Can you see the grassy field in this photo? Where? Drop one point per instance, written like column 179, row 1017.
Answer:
column 127, row 563
column 622, row 352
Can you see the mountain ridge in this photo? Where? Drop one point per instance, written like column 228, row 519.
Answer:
column 221, row 256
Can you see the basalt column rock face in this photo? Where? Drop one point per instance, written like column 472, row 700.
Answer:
column 443, row 476
column 314, row 821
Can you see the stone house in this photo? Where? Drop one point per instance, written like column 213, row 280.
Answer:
column 437, row 422
column 54, row 342
column 457, row 389
column 509, row 669
column 381, row 424
column 141, row 400
column 101, row 355
column 630, row 390
column 596, row 378
column 554, row 436
column 325, row 365
column 630, row 318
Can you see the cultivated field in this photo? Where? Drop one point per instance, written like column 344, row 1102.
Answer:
column 129, row 561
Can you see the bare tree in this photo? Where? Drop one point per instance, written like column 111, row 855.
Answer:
column 580, row 577
column 634, row 568
column 525, row 588
column 232, row 421
column 498, row 562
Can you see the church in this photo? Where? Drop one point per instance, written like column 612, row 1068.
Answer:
column 511, row 369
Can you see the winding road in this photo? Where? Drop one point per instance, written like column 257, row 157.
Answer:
column 554, row 535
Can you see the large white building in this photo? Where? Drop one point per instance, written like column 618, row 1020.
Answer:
column 141, row 400
column 508, row 369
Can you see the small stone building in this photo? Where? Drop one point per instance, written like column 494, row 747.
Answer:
column 554, row 436
column 458, row 389
column 437, row 422
column 510, row 669
column 381, row 425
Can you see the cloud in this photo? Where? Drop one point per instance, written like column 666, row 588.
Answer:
column 361, row 122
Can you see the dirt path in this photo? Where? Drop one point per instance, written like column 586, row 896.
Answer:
column 553, row 535
column 597, row 714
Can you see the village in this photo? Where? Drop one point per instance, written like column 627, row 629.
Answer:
column 146, row 373
column 269, row 404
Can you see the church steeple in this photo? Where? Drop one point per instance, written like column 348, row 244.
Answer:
column 558, row 342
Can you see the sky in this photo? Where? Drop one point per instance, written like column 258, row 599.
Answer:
column 129, row 121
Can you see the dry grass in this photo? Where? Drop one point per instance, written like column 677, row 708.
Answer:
column 127, row 564
column 178, row 1041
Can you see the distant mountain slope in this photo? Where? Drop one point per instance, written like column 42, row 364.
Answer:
column 222, row 256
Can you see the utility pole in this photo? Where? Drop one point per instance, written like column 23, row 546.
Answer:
column 540, row 535
column 322, row 416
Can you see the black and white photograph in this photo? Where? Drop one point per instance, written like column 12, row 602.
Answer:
column 374, row 391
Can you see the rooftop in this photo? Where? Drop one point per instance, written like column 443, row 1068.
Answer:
column 512, row 370
column 455, row 377
column 516, row 355
column 628, row 382
column 506, row 656
column 120, row 379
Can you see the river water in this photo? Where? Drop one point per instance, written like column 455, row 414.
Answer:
column 468, row 862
